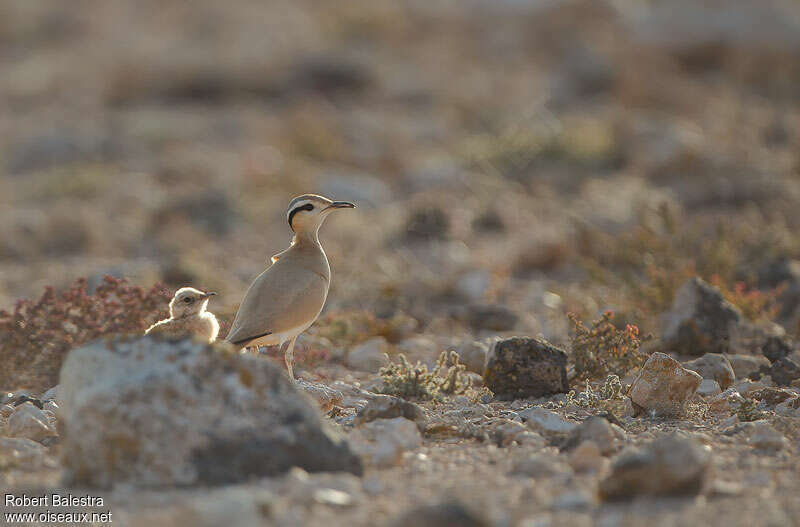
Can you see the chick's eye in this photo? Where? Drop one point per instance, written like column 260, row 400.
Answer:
column 188, row 300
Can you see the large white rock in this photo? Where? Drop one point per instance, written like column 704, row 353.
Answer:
column 155, row 413
column 547, row 421
column 663, row 386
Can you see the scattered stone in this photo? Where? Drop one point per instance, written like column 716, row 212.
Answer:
column 450, row 514
column 708, row 388
column 333, row 497
column 326, row 397
column 776, row 348
column 784, row 371
column 353, row 396
column 700, row 320
column 369, row 355
column 668, row 466
column 505, row 432
column 473, row 285
column 134, row 412
column 382, row 442
column 587, row 457
column 574, row 501
column 713, row 366
column 6, row 410
column 30, row 422
column 763, row 436
column 746, row 366
column 547, row 421
column 771, row 396
column 663, row 386
column 539, row 466
column 389, row 407
column 488, row 317
column 430, row 223
column 472, row 354
column 51, row 394
column 727, row 401
column 522, row 367
column 789, row 408
column 20, row 453
column 746, row 386
column 600, row 432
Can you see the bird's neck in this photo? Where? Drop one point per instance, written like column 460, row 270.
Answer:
column 310, row 237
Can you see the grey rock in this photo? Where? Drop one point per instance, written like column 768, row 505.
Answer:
column 598, row 430
column 784, row 371
column 522, row 367
column 449, row 514
column 547, row 421
column 713, row 366
column 30, row 422
column 369, row 355
column 148, row 412
column 326, row 397
column 382, row 442
column 389, row 407
column 428, row 223
column 708, row 388
column 663, row 386
column 700, row 320
column 746, row 366
column 667, row 466
column 20, row 453
column 488, row 317
column 472, row 354
column 539, row 466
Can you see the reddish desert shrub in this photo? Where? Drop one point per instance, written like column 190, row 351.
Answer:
column 36, row 336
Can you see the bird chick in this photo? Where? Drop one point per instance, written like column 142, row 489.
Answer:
column 188, row 316
column 285, row 299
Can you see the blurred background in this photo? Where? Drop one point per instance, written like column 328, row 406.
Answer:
column 512, row 160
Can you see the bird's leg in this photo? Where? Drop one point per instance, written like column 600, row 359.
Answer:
column 288, row 356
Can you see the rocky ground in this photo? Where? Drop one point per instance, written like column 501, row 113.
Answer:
column 513, row 163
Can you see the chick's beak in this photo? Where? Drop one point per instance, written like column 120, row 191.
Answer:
column 340, row 205
column 209, row 294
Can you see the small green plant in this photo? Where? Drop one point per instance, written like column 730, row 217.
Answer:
column 611, row 390
column 602, row 349
column 403, row 379
column 748, row 411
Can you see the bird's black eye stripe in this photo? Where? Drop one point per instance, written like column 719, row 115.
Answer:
column 307, row 206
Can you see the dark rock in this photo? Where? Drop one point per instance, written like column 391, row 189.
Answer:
column 489, row 221
column 776, row 348
column 667, row 466
column 700, row 320
column 783, row 371
column 489, row 317
column 522, row 367
column 747, row 366
column 713, row 366
column 771, row 396
column 389, row 407
column 429, row 223
column 153, row 413
column 449, row 514
column 778, row 272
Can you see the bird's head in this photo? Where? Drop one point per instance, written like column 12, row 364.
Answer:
column 188, row 301
column 307, row 212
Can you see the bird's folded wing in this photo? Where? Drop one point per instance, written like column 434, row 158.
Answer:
column 280, row 299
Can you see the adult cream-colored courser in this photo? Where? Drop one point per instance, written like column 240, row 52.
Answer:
column 188, row 316
column 288, row 296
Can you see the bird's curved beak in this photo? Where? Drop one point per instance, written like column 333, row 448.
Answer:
column 209, row 294
column 340, row 205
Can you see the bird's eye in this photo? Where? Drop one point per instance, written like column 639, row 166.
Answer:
column 188, row 300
